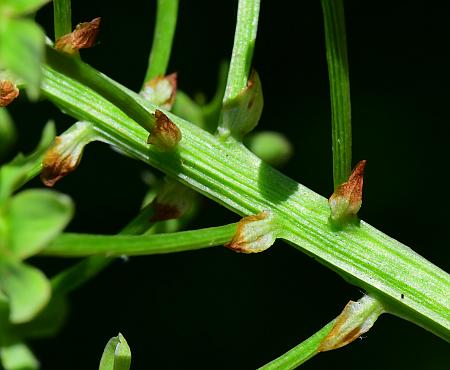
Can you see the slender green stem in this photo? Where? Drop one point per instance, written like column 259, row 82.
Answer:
column 407, row 284
column 244, row 44
column 77, row 245
column 62, row 15
column 166, row 21
column 300, row 353
column 336, row 45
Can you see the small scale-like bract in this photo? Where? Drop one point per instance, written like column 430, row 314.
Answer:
column 161, row 91
column 346, row 200
column 65, row 154
column 8, row 92
column 355, row 320
column 84, row 36
column 165, row 135
column 254, row 233
column 241, row 114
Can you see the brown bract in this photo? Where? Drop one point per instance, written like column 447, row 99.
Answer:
column 333, row 339
column 346, row 200
column 55, row 166
column 253, row 234
column 8, row 92
column 82, row 37
column 165, row 135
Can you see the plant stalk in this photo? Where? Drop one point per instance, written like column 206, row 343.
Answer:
column 166, row 21
column 407, row 284
column 341, row 127
column 62, row 17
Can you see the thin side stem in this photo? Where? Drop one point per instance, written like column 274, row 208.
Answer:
column 336, row 45
column 62, row 16
column 244, row 44
column 77, row 245
column 300, row 353
column 166, row 22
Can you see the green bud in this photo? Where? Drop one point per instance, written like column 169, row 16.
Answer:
column 117, row 355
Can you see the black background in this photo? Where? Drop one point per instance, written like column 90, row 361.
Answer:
column 214, row 309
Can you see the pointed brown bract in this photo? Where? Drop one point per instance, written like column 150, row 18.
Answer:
column 8, row 92
column 254, row 234
column 57, row 165
column 65, row 154
column 346, row 200
column 161, row 90
column 82, row 37
column 165, row 135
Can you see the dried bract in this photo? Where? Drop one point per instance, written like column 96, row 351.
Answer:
column 356, row 319
column 165, row 135
column 82, row 37
column 254, row 233
column 346, row 200
column 65, row 154
column 8, row 92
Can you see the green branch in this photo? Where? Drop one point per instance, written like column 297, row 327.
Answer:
column 244, row 44
column 300, row 353
column 335, row 39
column 166, row 21
column 237, row 179
column 78, row 245
column 62, row 16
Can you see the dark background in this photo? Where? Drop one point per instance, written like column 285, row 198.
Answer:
column 214, row 309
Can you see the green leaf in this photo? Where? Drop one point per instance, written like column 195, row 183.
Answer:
column 22, row 168
column 7, row 132
column 27, row 288
column 20, row 7
column 36, row 217
column 22, row 45
column 17, row 356
column 117, row 354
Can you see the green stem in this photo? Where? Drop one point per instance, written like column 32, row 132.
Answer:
column 78, row 245
column 166, row 21
column 335, row 40
column 407, row 284
column 62, row 15
column 300, row 353
column 244, row 44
